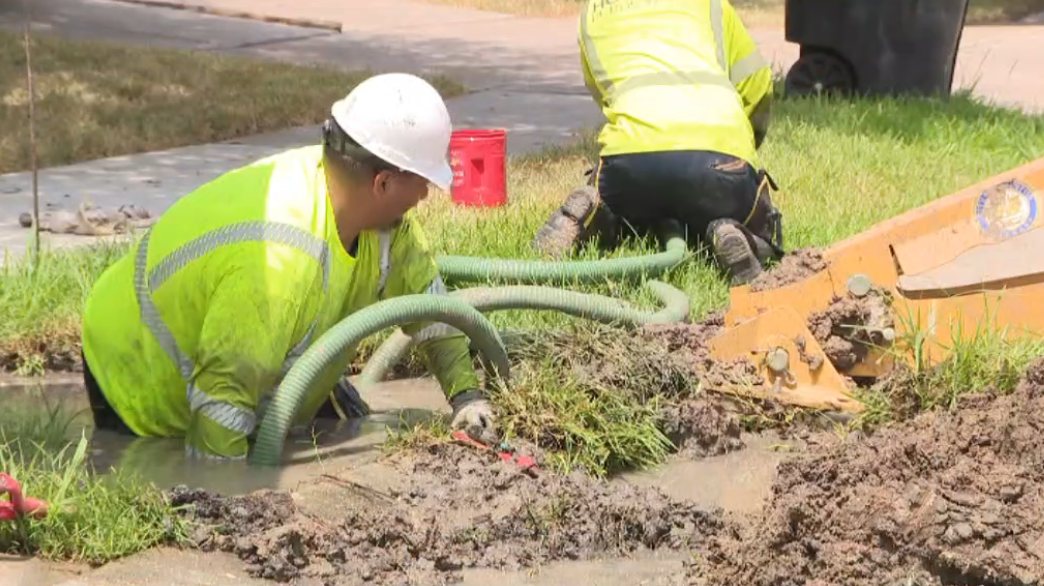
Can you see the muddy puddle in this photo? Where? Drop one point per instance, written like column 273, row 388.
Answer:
column 57, row 407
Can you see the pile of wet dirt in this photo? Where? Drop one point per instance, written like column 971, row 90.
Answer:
column 796, row 266
column 456, row 508
column 50, row 353
column 944, row 499
column 666, row 363
column 699, row 425
column 850, row 326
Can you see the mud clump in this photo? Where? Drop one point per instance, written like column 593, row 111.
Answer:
column 943, row 499
column 54, row 352
column 698, row 425
column 456, row 509
column 792, row 268
column 851, row 326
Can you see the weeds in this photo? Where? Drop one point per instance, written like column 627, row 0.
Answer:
column 41, row 307
column 92, row 518
column 991, row 358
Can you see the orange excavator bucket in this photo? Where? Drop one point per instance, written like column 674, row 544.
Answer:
column 938, row 274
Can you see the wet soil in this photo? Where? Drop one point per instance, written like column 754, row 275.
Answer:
column 851, row 326
column 944, row 499
column 792, row 268
column 51, row 353
column 454, row 508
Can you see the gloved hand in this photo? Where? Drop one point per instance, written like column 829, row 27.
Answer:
column 474, row 414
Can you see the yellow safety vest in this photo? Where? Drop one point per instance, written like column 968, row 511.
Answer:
column 191, row 332
column 672, row 75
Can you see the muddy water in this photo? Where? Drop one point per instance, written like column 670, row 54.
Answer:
column 738, row 482
column 330, row 446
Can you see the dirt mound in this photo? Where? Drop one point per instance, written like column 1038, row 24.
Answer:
column 792, row 268
column 699, row 425
column 850, row 326
column 944, row 499
column 458, row 509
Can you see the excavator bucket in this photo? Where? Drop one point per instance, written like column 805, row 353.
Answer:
column 922, row 281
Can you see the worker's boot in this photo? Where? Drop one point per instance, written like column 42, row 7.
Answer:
column 567, row 227
column 733, row 251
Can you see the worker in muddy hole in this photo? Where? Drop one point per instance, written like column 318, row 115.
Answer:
column 191, row 332
column 687, row 97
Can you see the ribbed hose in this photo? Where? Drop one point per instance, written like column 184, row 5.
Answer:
column 594, row 307
column 462, row 269
column 290, row 395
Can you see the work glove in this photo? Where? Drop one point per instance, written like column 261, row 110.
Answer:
column 473, row 414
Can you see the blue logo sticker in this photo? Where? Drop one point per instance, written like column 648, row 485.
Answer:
column 1006, row 209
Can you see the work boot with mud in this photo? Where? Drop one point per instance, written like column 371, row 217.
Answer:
column 564, row 230
column 733, row 252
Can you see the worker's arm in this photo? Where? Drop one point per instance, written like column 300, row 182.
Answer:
column 444, row 349
column 749, row 71
column 252, row 320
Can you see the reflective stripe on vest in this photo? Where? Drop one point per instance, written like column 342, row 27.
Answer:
column 736, row 74
column 227, row 415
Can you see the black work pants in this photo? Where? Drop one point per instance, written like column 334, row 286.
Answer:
column 693, row 188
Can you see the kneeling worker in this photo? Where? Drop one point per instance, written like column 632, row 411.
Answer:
column 191, row 332
column 687, row 97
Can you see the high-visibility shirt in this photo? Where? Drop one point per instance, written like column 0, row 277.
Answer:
column 191, row 332
column 672, row 75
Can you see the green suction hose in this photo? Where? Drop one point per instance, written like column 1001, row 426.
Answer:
column 594, row 307
column 291, row 393
column 476, row 269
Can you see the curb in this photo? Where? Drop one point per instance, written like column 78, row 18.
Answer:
column 302, row 22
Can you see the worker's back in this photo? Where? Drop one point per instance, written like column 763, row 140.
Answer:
column 259, row 242
column 661, row 71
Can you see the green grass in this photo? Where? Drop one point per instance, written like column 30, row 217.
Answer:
column 92, row 518
column 96, row 99
column 41, row 307
column 754, row 13
column 988, row 358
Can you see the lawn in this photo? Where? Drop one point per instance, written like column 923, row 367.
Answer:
column 754, row 13
column 96, row 100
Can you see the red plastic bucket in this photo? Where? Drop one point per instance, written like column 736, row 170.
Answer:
column 477, row 157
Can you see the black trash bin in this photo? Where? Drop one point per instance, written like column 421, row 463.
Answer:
column 874, row 46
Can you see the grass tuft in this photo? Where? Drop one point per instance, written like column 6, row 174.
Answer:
column 92, row 518
column 990, row 359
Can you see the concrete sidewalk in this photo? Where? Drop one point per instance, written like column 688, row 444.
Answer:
column 998, row 61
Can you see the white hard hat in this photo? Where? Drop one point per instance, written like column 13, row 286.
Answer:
column 403, row 120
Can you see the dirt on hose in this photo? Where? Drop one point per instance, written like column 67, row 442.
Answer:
column 850, row 326
column 456, row 509
column 792, row 268
column 944, row 499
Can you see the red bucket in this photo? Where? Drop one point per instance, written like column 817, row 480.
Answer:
column 479, row 170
